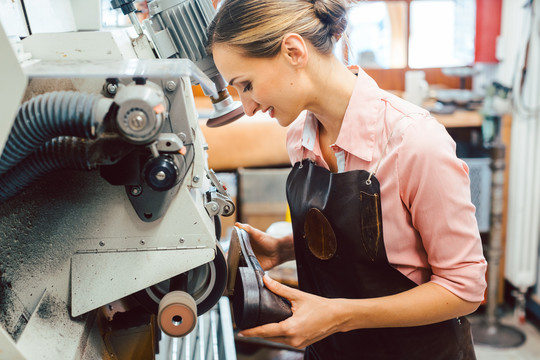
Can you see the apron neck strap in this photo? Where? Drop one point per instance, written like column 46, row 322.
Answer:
column 372, row 173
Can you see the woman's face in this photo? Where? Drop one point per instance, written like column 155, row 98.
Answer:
column 264, row 84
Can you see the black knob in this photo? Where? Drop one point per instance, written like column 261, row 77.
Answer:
column 161, row 173
column 139, row 80
column 126, row 5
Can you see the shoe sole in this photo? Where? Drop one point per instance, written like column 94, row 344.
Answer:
column 242, row 269
column 234, row 260
column 246, row 301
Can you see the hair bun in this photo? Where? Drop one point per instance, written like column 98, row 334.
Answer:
column 321, row 11
column 332, row 13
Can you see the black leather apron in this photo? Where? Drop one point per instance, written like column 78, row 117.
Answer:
column 340, row 253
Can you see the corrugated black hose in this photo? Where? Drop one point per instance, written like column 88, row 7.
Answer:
column 64, row 152
column 50, row 115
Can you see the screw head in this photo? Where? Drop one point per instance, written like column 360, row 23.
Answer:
column 170, row 86
column 135, row 190
column 142, row 242
column 112, row 88
column 160, row 175
column 196, row 179
column 182, row 240
column 137, row 120
column 102, row 243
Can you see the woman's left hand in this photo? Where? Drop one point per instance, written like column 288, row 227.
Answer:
column 313, row 319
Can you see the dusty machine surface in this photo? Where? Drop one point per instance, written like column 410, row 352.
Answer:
column 109, row 215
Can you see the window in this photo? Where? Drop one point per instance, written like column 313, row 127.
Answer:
column 377, row 34
column 449, row 29
column 412, row 34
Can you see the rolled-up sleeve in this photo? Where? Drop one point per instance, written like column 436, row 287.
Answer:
column 434, row 185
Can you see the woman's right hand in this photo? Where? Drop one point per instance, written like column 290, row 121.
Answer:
column 270, row 251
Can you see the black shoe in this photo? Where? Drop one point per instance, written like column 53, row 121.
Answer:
column 253, row 304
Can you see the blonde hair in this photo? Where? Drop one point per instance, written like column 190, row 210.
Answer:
column 257, row 27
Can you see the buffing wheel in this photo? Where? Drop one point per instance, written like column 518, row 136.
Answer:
column 177, row 315
column 226, row 119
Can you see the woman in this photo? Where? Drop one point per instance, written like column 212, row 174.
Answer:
column 387, row 247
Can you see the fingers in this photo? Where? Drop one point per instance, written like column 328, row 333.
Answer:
column 277, row 332
column 264, row 331
column 278, row 339
column 250, row 229
column 246, row 227
column 241, row 226
column 280, row 289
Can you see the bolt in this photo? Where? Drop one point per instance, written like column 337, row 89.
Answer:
column 142, row 242
column 112, row 88
column 135, row 190
column 137, row 120
column 227, row 208
column 170, row 86
column 102, row 243
column 182, row 240
column 196, row 179
column 214, row 207
column 160, row 176
column 182, row 136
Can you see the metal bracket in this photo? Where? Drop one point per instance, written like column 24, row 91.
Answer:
column 219, row 204
column 211, row 174
column 218, row 200
column 169, row 142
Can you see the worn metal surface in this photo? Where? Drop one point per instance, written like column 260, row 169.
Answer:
column 52, row 334
column 8, row 348
column 43, row 227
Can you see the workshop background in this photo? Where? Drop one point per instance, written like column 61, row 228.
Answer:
column 475, row 64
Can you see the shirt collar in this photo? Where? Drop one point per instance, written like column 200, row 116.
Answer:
column 357, row 133
column 309, row 136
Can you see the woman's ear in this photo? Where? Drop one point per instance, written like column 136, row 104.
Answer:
column 294, row 49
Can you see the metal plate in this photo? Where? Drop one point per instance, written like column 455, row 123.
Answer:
column 159, row 68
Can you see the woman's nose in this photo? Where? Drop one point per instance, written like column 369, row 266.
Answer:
column 250, row 106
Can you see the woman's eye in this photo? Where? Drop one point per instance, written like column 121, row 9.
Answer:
column 248, row 87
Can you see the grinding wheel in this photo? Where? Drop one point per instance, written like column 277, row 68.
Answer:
column 225, row 118
column 177, row 315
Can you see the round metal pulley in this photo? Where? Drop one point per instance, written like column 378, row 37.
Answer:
column 141, row 113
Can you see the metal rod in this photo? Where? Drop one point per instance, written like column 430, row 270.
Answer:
column 489, row 331
column 498, row 151
column 135, row 22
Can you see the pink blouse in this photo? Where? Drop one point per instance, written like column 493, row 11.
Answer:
column 429, row 227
